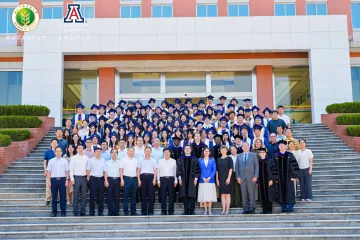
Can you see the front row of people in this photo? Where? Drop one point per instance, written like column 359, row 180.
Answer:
column 188, row 172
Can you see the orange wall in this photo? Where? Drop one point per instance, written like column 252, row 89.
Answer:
column 343, row 7
column 107, row 8
column 146, row 8
column 222, row 8
column 106, row 85
column 261, row 7
column 264, row 83
column 300, row 7
column 38, row 5
column 66, row 2
column 184, row 8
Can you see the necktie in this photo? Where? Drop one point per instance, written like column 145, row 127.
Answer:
column 101, row 132
column 211, row 144
column 245, row 159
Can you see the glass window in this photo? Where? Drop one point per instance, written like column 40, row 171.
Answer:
column 355, row 15
column 9, row 0
column 6, row 25
column 87, row 11
column 139, row 83
column 292, row 90
column 204, row 10
column 52, row 12
column 287, row 9
column 185, row 82
column 231, row 81
column 130, row 11
column 10, row 88
column 161, row 11
column 355, row 79
column 235, row 10
column 316, row 9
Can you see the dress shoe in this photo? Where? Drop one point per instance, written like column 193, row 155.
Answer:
column 100, row 214
column 82, row 214
column 245, row 212
column 53, row 214
column 163, row 213
column 126, row 214
column 47, row 203
column 185, row 213
column 269, row 212
column 192, row 213
column 63, row 214
column 116, row 214
column 150, row 214
column 92, row 214
column 291, row 211
column 283, row 211
column 76, row 214
column 252, row 212
column 134, row 214
column 110, row 214
column 171, row 213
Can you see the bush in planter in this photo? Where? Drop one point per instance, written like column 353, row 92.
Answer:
column 17, row 134
column 5, row 140
column 349, row 119
column 19, row 122
column 347, row 107
column 24, row 110
column 353, row 131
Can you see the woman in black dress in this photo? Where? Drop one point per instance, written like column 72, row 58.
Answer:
column 263, row 181
column 224, row 169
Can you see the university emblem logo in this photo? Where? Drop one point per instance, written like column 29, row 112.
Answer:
column 73, row 14
column 25, row 17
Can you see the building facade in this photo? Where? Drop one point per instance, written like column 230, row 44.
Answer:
column 302, row 54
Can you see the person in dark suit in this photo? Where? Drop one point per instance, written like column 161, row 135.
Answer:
column 247, row 172
column 188, row 173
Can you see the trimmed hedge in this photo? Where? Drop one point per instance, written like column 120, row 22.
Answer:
column 19, row 122
column 349, row 119
column 353, row 131
column 347, row 107
column 17, row 134
column 24, row 110
column 5, row 140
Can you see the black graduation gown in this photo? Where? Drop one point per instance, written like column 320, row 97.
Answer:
column 282, row 170
column 265, row 192
column 198, row 149
column 238, row 149
column 216, row 152
column 176, row 152
column 188, row 168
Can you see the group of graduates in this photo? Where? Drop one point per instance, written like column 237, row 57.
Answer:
column 201, row 126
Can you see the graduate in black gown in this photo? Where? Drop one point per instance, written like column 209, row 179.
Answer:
column 284, row 174
column 188, row 173
column 198, row 145
column 216, row 149
column 176, row 149
column 263, row 181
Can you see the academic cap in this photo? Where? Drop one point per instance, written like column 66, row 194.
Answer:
column 102, row 106
column 110, row 102
column 267, row 110
column 94, row 106
column 80, row 105
column 152, row 100
column 210, row 97
column 102, row 118
column 223, row 97
column 255, row 108
column 112, row 111
column 247, row 100
column 122, row 102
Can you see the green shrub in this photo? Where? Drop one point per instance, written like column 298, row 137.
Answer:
column 16, row 134
column 353, row 131
column 347, row 107
column 19, row 122
column 349, row 119
column 5, row 140
column 24, row 110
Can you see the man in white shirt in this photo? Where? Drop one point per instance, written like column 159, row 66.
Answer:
column 78, row 164
column 147, row 170
column 282, row 116
column 112, row 182
column 122, row 151
column 128, row 176
column 157, row 151
column 95, row 176
column 305, row 161
column 139, row 149
column 167, row 181
column 58, row 180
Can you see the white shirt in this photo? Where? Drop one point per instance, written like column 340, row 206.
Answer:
column 139, row 153
column 58, row 167
column 147, row 165
column 285, row 118
column 302, row 158
column 130, row 166
column 83, row 133
column 96, row 166
column 157, row 153
column 234, row 160
column 78, row 164
column 112, row 168
column 122, row 154
column 166, row 168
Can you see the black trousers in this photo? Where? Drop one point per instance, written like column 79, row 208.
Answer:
column 167, row 187
column 147, row 193
column 58, row 185
column 267, row 207
column 96, row 191
column 113, row 195
column 189, row 205
column 80, row 185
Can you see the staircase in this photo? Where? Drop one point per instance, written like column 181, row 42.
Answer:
column 333, row 214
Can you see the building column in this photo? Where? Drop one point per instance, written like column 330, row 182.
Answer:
column 184, row 8
column 107, row 9
column 106, row 85
column 222, row 8
column 265, row 88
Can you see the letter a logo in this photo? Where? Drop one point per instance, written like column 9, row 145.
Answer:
column 73, row 14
